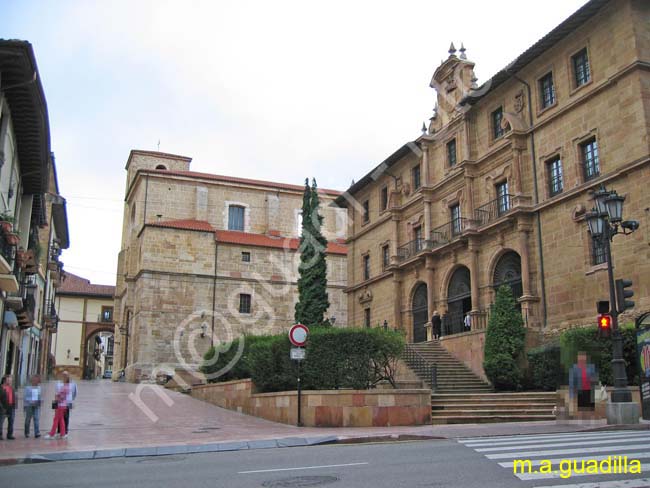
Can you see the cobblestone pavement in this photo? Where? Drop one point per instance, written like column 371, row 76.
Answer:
column 105, row 416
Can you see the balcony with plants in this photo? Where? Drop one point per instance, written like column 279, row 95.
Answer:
column 9, row 239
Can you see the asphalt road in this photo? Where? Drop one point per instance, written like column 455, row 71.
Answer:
column 436, row 463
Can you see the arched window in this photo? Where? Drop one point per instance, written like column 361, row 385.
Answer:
column 508, row 272
column 161, row 166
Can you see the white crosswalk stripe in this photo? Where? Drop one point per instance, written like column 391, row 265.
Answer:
column 566, row 456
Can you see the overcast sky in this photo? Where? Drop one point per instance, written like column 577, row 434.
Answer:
column 266, row 89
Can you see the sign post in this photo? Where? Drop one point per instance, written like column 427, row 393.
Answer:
column 298, row 337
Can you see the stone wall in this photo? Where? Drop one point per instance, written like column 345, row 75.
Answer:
column 323, row 408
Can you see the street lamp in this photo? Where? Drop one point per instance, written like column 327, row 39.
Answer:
column 603, row 222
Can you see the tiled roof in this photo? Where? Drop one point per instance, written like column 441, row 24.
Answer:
column 185, row 224
column 261, row 240
column 233, row 179
column 76, row 285
column 245, row 238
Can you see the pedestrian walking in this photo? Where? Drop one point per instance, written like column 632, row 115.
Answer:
column 72, row 396
column 60, row 405
column 436, row 325
column 32, row 403
column 7, row 406
column 582, row 380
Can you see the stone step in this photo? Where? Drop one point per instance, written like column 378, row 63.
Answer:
column 490, row 412
column 480, row 419
column 500, row 396
column 494, row 406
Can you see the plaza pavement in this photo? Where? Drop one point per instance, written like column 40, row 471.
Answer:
column 108, row 420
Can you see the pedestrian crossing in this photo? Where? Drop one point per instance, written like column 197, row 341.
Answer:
column 618, row 459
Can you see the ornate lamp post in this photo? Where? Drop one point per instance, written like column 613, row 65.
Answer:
column 604, row 221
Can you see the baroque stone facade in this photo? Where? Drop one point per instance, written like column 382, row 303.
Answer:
column 496, row 189
column 206, row 258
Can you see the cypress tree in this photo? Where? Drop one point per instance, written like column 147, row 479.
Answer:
column 504, row 342
column 312, row 284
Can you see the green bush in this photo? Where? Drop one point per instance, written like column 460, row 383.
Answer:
column 231, row 363
column 545, row 370
column 504, row 342
column 599, row 350
column 335, row 358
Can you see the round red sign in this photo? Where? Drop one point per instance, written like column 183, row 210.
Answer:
column 298, row 335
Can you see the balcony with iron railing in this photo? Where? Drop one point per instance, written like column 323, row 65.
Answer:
column 450, row 231
column 410, row 249
column 493, row 210
column 50, row 317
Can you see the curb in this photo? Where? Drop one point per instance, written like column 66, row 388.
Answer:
column 169, row 450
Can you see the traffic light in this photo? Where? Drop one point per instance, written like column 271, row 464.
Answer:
column 622, row 295
column 604, row 324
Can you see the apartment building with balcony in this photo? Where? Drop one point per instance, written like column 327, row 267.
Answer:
column 206, row 258
column 34, row 226
column 495, row 190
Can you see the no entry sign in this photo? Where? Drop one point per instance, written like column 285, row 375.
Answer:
column 298, row 335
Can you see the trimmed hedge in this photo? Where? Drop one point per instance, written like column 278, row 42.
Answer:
column 335, row 358
column 230, row 363
column 548, row 365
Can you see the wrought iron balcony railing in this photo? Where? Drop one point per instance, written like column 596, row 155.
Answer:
column 493, row 210
column 446, row 233
column 410, row 249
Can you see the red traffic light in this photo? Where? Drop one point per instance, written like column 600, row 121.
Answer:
column 604, row 322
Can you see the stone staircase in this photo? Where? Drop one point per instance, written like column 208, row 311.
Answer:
column 461, row 396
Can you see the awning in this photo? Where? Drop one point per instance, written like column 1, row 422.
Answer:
column 10, row 319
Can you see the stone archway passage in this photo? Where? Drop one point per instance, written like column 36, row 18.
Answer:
column 459, row 301
column 420, row 311
column 508, row 272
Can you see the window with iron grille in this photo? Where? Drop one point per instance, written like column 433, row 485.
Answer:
column 555, row 177
column 246, row 257
column 451, row 153
column 598, row 252
column 590, row 160
column 366, row 267
column 385, row 256
column 366, row 317
column 503, row 198
column 416, row 177
column 547, row 90
column 244, row 303
column 497, row 118
column 366, row 211
column 107, row 314
column 581, row 69
column 235, row 217
column 455, row 219
column 384, row 198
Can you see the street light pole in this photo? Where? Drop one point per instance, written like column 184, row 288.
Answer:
column 621, row 392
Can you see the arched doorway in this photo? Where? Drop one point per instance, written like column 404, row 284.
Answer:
column 459, row 300
column 98, row 352
column 420, row 311
column 508, row 272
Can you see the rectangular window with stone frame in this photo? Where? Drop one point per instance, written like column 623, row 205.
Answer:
column 418, row 244
column 555, row 176
column 366, row 267
column 451, row 153
column 366, row 212
column 497, row 119
column 246, row 257
column 236, row 215
column 456, row 221
column 385, row 256
column 366, row 318
column 581, row 68
column 590, row 158
column 244, row 303
column 384, row 198
column 598, row 251
column 503, row 198
column 547, row 90
column 415, row 172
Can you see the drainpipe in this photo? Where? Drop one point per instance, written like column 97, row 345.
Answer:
column 214, row 287
column 536, row 196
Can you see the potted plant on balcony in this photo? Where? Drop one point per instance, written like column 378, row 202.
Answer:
column 12, row 238
column 6, row 222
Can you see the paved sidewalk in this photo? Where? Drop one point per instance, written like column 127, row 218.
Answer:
column 106, row 417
